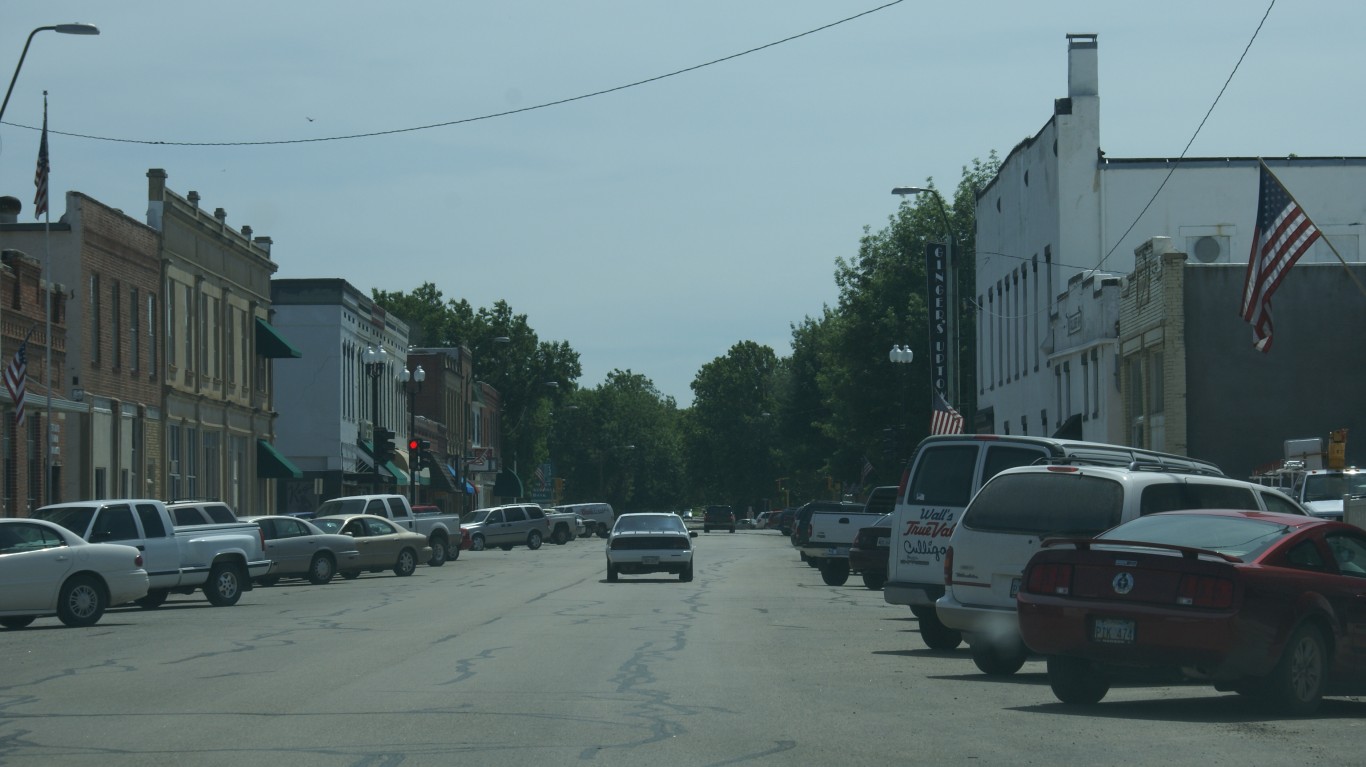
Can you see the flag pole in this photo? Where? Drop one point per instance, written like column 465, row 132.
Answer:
column 1325, row 239
column 45, row 441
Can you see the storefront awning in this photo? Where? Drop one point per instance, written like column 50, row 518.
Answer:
column 269, row 342
column 400, row 476
column 272, row 464
column 441, row 478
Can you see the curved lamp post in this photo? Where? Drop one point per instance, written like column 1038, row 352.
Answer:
column 952, row 279
column 65, row 29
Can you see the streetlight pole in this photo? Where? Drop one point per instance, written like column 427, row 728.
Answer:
column 951, row 276
column 903, row 355
column 374, row 368
column 65, row 29
column 416, row 377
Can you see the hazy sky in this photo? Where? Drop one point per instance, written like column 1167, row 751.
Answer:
column 651, row 227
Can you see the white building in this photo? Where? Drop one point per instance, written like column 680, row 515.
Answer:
column 1056, row 228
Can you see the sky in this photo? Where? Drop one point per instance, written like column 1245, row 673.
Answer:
column 651, row 227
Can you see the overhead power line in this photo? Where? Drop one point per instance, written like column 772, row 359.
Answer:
column 479, row 118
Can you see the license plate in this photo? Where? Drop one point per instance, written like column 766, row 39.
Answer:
column 649, row 560
column 1014, row 587
column 884, row 542
column 832, row 552
column 1112, row 631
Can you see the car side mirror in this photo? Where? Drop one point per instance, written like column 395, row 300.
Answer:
column 692, row 533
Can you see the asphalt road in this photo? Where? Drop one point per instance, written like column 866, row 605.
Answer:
column 531, row 657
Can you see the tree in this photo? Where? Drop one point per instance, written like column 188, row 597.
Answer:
column 732, row 432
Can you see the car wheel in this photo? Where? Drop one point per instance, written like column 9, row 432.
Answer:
column 476, row 543
column 560, row 537
column 611, row 572
column 406, row 564
column 321, row 569
column 81, row 601
column 603, row 531
column 874, row 581
column 17, row 621
column 452, row 553
column 224, row 586
column 934, row 633
column 998, row 660
column 350, row 575
column 1077, row 681
column 154, row 599
column 533, row 539
column 268, row 581
column 686, row 575
column 835, row 572
column 505, row 546
column 1295, row 686
column 439, row 549
column 811, row 562
column 706, row 529
column 732, row 529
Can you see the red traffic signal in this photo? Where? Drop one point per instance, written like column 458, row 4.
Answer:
column 412, row 444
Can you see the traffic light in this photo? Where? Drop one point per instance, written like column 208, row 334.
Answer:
column 384, row 445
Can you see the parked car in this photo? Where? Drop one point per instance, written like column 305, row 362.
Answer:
column 382, row 544
column 46, row 569
column 597, row 517
column 1268, row 605
column 438, row 527
column 868, row 554
column 650, row 543
column 1012, row 514
column 719, row 517
column 785, row 520
column 506, row 526
column 300, row 549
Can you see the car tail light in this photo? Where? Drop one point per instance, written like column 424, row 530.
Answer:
column 137, row 561
column 948, row 566
column 1049, row 578
column 1204, row 591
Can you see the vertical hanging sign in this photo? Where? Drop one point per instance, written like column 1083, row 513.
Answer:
column 937, row 299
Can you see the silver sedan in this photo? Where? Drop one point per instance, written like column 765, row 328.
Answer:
column 301, row 550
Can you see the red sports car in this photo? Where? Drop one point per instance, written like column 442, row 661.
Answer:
column 1268, row 605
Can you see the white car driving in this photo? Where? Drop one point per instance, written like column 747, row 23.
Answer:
column 650, row 543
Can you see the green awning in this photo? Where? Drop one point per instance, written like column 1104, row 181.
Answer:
column 269, row 342
column 272, row 464
column 508, row 485
column 442, row 478
column 399, row 475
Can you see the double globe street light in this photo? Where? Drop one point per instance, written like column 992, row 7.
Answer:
column 415, row 378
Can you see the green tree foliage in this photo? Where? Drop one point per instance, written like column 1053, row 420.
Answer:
column 733, row 432
column 620, row 443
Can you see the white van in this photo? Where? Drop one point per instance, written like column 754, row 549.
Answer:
column 944, row 474
column 597, row 517
column 1010, row 517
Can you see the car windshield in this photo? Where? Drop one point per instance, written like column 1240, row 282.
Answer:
column 74, row 518
column 1235, row 536
column 328, row 525
column 652, row 523
column 1331, row 487
column 474, row 517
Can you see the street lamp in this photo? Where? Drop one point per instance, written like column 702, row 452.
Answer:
column 65, row 29
column 951, row 276
column 374, row 368
column 415, row 377
column 902, row 355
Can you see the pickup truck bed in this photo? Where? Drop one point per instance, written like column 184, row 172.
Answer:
column 831, row 535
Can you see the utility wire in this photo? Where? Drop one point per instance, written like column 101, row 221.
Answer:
column 491, row 116
column 1167, row 178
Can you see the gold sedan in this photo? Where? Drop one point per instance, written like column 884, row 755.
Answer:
column 381, row 543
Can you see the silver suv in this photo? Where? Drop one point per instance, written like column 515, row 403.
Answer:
column 521, row 524
column 1008, row 519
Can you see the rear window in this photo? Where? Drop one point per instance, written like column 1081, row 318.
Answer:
column 881, row 500
column 1235, row 536
column 1046, row 505
column 943, row 476
column 1174, row 496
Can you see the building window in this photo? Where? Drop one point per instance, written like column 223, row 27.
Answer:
column 116, row 323
column 1026, row 319
column 212, row 465
column 34, row 450
column 173, row 462
column 170, row 324
column 187, row 325
column 191, row 472
column 981, row 344
column 1085, row 387
column 152, row 334
column 1135, row 395
column 1095, row 372
column 230, row 346
column 95, row 321
column 134, row 331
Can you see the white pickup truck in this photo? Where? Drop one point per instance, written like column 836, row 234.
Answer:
column 221, row 559
column 831, row 533
column 442, row 530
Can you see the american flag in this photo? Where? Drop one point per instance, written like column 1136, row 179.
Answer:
column 1283, row 234
column 16, row 380
column 944, row 419
column 540, row 476
column 867, row 469
column 40, row 175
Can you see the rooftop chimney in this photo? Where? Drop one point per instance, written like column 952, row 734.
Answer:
column 156, row 196
column 246, row 232
column 221, row 215
column 264, row 244
column 1083, row 73
column 193, row 197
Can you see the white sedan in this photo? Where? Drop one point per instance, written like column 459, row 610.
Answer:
column 650, row 543
column 46, row 569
